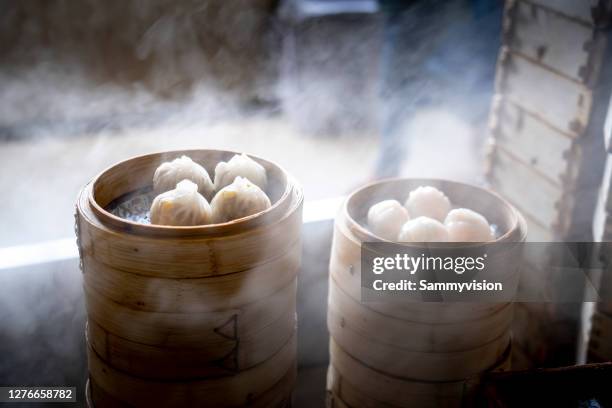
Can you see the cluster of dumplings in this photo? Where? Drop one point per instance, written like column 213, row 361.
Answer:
column 427, row 216
column 187, row 195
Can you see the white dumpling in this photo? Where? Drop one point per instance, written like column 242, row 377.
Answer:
column 386, row 218
column 465, row 225
column 240, row 199
column 427, row 201
column 243, row 166
column 169, row 174
column 423, row 229
column 182, row 206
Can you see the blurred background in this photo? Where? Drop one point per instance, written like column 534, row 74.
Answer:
column 338, row 92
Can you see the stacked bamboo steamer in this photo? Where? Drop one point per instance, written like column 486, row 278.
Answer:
column 389, row 354
column 189, row 316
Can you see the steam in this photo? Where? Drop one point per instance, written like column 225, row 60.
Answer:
column 461, row 157
column 86, row 84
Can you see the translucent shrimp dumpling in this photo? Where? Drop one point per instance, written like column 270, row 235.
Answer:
column 386, row 218
column 240, row 199
column 427, row 201
column 169, row 174
column 465, row 225
column 423, row 229
column 182, row 206
column 243, row 166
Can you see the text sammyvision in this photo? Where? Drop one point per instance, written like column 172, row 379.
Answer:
column 422, row 264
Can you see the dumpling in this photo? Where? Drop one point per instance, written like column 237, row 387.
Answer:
column 423, row 229
column 468, row 226
column 427, row 201
column 169, row 174
column 240, row 199
column 386, row 218
column 243, row 166
column 182, row 206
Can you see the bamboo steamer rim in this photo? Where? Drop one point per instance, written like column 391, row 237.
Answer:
column 364, row 321
column 335, row 290
column 189, row 329
column 138, row 391
column 384, row 390
column 518, row 224
column 351, row 396
column 241, row 224
column 337, row 351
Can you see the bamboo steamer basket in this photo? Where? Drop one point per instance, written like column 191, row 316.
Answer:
column 272, row 398
column 261, row 386
column 426, row 366
column 185, row 329
column 226, row 349
column 208, row 250
column 346, row 313
column 351, row 383
column 416, row 343
column 189, row 316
